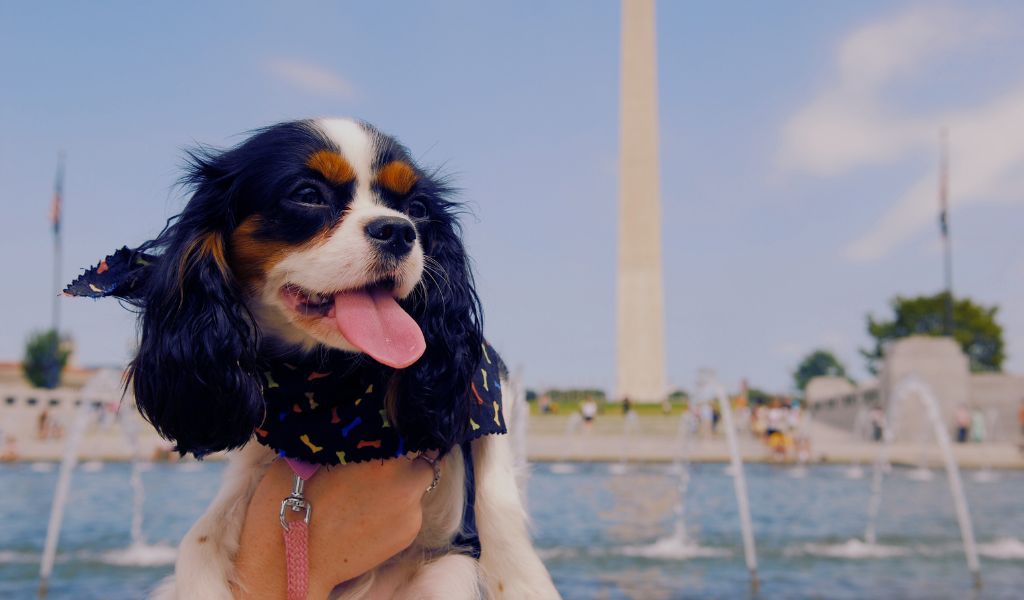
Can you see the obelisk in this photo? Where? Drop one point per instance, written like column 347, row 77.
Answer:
column 641, row 318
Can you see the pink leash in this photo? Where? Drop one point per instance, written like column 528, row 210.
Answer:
column 296, row 533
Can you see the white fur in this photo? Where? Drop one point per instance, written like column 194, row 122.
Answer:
column 508, row 567
column 204, row 568
column 358, row 146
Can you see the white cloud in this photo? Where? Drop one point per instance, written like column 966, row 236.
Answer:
column 830, row 340
column 849, row 125
column 790, row 350
column 311, row 78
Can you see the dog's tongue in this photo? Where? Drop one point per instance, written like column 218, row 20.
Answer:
column 375, row 323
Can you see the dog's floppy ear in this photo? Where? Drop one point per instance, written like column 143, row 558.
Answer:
column 195, row 375
column 448, row 311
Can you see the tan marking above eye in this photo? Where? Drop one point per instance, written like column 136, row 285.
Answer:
column 332, row 166
column 397, row 176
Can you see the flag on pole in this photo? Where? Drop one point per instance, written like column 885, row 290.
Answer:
column 58, row 192
column 944, row 188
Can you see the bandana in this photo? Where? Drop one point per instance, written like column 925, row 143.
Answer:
column 323, row 412
column 323, row 415
column 121, row 274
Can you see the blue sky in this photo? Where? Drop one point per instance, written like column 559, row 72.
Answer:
column 799, row 156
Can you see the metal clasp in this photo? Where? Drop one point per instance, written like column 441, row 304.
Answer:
column 295, row 502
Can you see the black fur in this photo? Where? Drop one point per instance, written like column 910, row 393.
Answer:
column 433, row 409
column 197, row 374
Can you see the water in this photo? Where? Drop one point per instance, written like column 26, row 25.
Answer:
column 63, row 488
column 602, row 535
column 909, row 389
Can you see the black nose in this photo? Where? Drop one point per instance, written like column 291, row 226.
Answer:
column 393, row 235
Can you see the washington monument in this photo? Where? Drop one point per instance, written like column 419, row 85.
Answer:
column 641, row 310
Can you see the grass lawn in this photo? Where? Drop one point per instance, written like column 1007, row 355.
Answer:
column 567, row 407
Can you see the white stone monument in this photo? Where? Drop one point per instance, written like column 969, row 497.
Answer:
column 641, row 319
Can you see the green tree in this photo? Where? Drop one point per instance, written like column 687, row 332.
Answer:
column 679, row 395
column 759, row 396
column 46, row 355
column 817, row 363
column 576, row 395
column 974, row 328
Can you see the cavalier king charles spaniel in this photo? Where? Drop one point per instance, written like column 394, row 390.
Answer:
column 323, row 241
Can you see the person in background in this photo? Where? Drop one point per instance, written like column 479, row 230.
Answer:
column 626, row 405
column 758, row 423
column 1020, row 417
column 9, row 451
column 707, row 415
column 877, row 423
column 978, row 429
column 588, row 411
column 962, row 421
column 43, row 429
column 776, row 418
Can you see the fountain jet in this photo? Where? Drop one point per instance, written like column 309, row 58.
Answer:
column 708, row 389
column 913, row 386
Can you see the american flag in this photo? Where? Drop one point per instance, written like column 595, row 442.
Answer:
column 58, row 192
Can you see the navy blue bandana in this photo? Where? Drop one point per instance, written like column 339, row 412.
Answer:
column 121, row 274
column 326, row 416
column 325, row 411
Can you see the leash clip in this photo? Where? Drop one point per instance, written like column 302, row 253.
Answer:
column 296, row 502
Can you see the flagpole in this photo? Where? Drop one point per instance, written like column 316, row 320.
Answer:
column 947, row 249
column 57, row 209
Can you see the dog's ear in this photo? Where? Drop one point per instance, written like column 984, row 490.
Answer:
column 195, row 375
column 435, row 403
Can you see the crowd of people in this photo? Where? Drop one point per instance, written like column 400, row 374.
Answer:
column 782, row 424
column 970, row 425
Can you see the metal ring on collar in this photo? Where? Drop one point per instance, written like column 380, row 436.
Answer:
column 436, row 464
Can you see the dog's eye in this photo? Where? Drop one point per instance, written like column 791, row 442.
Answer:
column 308, row 194
column 417, row 209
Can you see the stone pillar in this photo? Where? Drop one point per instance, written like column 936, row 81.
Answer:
column 942, row 365
column 641, row 319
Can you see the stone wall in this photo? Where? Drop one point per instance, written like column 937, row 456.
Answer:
column 940, row 364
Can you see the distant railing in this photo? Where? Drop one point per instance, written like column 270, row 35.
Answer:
column 841, row 410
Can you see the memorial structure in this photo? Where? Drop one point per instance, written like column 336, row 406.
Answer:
column 641, row 312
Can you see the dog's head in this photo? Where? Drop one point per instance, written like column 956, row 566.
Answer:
column 309, row 235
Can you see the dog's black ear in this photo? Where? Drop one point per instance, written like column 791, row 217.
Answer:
column 196, row 376
column 434, row 412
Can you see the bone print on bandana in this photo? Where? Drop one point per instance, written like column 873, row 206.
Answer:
column 324, row 416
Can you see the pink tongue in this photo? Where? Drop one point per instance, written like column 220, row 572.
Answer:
column 375, row 323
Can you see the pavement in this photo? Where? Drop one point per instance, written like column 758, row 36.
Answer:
column 651, row 438
column 656, row 438
column 105, row 443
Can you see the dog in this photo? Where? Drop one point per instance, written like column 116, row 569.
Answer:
column 311, row 239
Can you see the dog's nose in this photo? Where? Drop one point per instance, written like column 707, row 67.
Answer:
column 393, row 235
